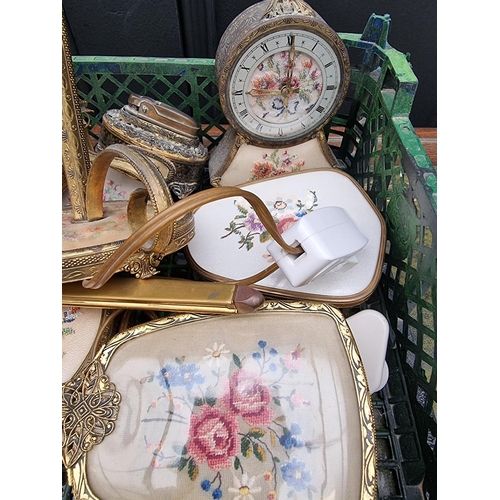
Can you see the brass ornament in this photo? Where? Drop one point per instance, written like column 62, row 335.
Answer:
column 75, row 154
column 83, row 263
column 84, row 175
column 288, row 8
column 90, row 405
column 158, row 128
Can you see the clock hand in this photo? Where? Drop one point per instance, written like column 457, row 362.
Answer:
column 284, row 91
column 291, row 67
column 263, row 92
column 291, row 62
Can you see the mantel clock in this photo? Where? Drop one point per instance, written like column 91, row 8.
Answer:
column 282, row 74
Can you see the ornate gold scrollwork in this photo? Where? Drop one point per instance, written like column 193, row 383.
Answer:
column 287, row 8
column 90, row 405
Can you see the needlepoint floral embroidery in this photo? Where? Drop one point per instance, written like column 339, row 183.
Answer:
column 249, row 398
column 285, row 212
column 238, row 435
column 275, row 163
column 244, row 488
column 213, row 437
column 69, row 315
column 182, row 374
column 216, row 354
column 271, row 74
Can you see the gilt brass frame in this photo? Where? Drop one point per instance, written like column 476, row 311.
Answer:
column 85, row 430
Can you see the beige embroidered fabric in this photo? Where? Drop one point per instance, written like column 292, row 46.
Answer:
column 79, row 327
column 252, row 163
column 272, row 404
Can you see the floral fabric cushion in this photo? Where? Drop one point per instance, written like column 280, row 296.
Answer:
column 252, row 163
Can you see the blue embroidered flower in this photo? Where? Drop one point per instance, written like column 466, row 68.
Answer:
column 205, row 485
column 289, row 438
column 273, row 351
column 216, row 494
column 273, row 367
column 300, row 213
column 296, row 475
column 180, row 375
column 256, row 355
column 262, row 344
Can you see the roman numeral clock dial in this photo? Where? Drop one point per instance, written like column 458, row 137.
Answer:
column 284, row 85
column 282, row 73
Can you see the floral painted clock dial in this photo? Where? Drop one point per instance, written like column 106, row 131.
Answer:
column 284, row 87
column 282, row 74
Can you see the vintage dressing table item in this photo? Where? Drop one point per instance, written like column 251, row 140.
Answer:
column 92, row 229
column 198, row 407
column 282, row 74
column 163, row 129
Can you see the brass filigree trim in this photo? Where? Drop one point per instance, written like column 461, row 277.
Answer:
column 117, row 123
column 288, row 8
column 90, row 407
column 143, row 265
column 75, row 154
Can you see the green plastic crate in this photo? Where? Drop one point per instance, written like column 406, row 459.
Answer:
column 374, row 140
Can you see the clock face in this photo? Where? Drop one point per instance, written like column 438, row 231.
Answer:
column 285, row 86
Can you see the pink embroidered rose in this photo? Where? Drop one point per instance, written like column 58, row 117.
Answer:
column 294, row 358
column 307, row 63
column 249, row 398
column 299, row 400
column 213, row 437
column 295, row 82
column 286, row 222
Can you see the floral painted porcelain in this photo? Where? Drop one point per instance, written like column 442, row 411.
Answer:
column 230, row 243
column 268, row 405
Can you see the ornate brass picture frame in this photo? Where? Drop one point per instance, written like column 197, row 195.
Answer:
column 293, row 411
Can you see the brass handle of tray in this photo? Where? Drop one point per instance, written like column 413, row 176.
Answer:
column 176, row 211
column 156, row 186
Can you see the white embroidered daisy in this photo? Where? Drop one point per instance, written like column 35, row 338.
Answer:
column 216, row 354
column 244, row 488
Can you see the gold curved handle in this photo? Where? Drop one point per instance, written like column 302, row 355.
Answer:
column 176, row 211
column 147, row 171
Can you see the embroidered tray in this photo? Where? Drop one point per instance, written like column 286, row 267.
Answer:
column 273, row 404
column 231, row 244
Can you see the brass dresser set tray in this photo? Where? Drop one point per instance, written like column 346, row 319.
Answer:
column 248, row 387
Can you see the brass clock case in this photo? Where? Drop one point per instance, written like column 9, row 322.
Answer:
column 256, row 23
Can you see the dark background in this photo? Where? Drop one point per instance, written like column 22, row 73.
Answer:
column 193, row 28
